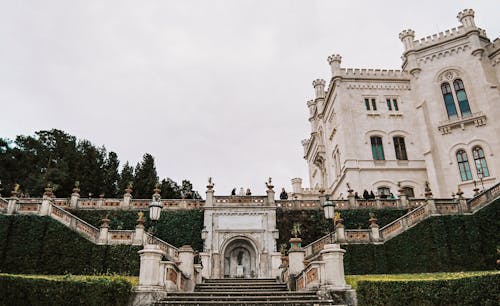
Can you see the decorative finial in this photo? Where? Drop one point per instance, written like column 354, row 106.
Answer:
column 156, row 195
column 140, row 214
column 296, row 230
column 269, row 184
column 15, row 190
column 210, row 185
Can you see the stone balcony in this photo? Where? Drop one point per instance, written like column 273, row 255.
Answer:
column 478, row 119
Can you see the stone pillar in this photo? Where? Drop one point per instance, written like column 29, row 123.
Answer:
column 270, row 193
column 209, row 202
column 350, row 197
column 333, row 256
column 374, row 234
column 139, row 233
column 295, row 257
column 75, row 196
column 100, row 202
column 431, row 206
column 46, row 205
column 198, row 274
column 377, row 201
column 205, row 262
column 150, row 265
column 186, row 258
column 403, row 199
column 103, row 232
column 127, row 197
column 11, row 206
column 462, row 202
column 275, row 264
column 340, row 231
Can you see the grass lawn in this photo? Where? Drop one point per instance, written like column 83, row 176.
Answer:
column 354, row 279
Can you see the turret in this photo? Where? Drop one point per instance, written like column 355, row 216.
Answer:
column 319, row 88
column 466, row 17
column 407, row 37
column 334, row 61
column 312, row 107
column 297, row 185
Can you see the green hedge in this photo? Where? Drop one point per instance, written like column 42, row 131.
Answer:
column 475, row 290
column 177, row 227
column 445, row 243
column 313, row 224
column 36, row 290
column 40, row 245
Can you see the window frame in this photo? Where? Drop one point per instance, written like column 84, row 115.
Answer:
column 400, row 147
column 377, row 146
column 480, row 162
column 463, row 165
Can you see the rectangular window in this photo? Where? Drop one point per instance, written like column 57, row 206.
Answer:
column 400, row 148
column 395, row 102
column 367, row 104
column 389, row 106
column 374, row 104
column 377, row 148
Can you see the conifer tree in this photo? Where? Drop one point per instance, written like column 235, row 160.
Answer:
column 145, row 177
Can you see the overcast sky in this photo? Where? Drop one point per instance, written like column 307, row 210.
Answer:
column 209, row 88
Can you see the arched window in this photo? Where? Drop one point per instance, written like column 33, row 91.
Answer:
column 463, row 165
column 400, row 148
column 409, row 191
column 449, row 102
column 384, row 192
column 377, row 148
column 463, row 103
column 480, row 161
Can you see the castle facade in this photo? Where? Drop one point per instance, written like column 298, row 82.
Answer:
column 432, row 121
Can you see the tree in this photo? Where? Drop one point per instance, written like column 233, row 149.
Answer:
column 170, row 189
column 126, row 177
column 111, row 175
column 145, row 177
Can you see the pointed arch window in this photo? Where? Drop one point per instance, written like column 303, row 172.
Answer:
column 463, row 102
column 480, row 161
column 463, row 165
column 377, row 148
column 400, row 148
column 449, row 102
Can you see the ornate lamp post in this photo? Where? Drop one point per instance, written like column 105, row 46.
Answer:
column 329, row 210
column 155, row 210
column 480, row 175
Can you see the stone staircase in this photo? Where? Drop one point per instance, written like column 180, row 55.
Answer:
column 237, row 291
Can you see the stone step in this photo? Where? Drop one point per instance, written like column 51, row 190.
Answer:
column 195, row 297
column 241, row 290
column 248, row 303
column 239, row 286
column 236, row 294
column 236, row 280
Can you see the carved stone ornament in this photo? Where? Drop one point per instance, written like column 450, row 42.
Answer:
column 448, row 75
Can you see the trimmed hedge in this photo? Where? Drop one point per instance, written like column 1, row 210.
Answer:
column 40, row 245
column 313, row 224
column 179, row 227
column 65, row 290
column 474, row 290
column 445, row 243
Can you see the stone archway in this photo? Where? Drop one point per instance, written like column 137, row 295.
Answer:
column 240, row 259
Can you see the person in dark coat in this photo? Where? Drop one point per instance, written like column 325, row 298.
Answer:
column 366, row 195
column 283, row 194
column 372, row 195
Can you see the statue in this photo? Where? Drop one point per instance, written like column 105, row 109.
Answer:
column 210, row 185
column 269, row 184
column 16, row 187
column 240, row 258
column 337, row 217
column 296, row 230
column 140, row 215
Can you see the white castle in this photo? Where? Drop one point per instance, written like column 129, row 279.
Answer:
column 433, row 121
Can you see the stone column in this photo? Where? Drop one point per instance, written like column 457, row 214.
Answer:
column 350, row 197
column 275, row 264
column 139, row 232
column 462, row 202
column 403, row 198
column 100, row 202
column 295, row 257
column 186, row 258
column 375, row 234
column 209, row 202
column 149, row 271
column 11, row 206
column 205, row 262
column 75, row 196
column 127, row 197
column 270, row 193
column 297, row 185
column 46, row 205
column 103, row 232
column 431, row 206
column 377, row 201
column 333, row 256
column 340, row 230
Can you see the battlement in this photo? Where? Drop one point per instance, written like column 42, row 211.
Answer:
column 318, row 82
column 373, row 73
column 444, row 36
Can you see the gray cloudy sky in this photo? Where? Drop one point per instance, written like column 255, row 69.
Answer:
column 210, row 88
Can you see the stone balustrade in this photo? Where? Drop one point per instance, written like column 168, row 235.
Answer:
column 420, row 210
column 99, row 236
